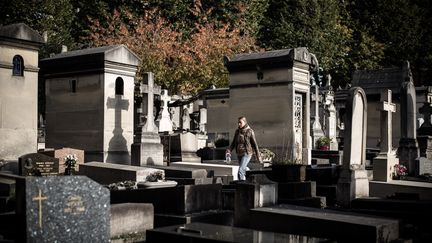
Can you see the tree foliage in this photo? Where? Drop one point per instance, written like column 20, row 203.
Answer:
column 183, row 63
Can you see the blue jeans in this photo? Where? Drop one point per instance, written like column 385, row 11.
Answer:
column 243, row 162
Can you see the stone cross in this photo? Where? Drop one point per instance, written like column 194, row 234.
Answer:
column 386, row 108
column 151, row 90
column 165, row 124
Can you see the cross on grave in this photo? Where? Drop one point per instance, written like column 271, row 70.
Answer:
column 165, row 124
column 40, row 199
column 386, row 108
column 151, row 90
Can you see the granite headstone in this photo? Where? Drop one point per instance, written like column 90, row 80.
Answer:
column 66, row 209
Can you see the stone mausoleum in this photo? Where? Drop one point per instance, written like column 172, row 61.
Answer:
column 272, row 89
column 19, row 54
column 89, row 101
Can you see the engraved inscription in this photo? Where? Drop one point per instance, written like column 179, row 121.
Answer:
column 74, row 205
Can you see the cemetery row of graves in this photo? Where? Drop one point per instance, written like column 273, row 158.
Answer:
column 112, row 160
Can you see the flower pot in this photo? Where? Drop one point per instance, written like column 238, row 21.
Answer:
column 325, row 147
column 288, row 172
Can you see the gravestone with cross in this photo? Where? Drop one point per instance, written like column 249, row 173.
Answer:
column 66, row 209
column 165, row 124
column 148, row 150
column 117, row 151
column 316, row 130
column 383, row 164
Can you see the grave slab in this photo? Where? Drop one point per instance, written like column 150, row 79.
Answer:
column 201, row 232
column 220, row 217
column 178, row 200
column 66, row 209
column 219, row 169
column 387, row 189
column 183, row 172
column 325, row 223
column 191, row 181
column 106, row 173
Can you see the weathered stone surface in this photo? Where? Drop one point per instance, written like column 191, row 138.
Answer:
column 127, row 218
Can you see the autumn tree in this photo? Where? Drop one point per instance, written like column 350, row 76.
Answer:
column 182, row 63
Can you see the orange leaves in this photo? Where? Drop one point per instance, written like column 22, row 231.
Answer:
column 183, row 63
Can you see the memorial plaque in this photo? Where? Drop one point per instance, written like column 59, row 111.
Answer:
column 38, row 165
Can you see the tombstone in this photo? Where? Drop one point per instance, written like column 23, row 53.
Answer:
column 19, row 69
column 38, row 165
column 272, row 90
column 408, row 150
column 353, row 181
column 316, row 129
column 383, row 164
column 89, row 101
column 424, row 163
column 165, row 124
column 330, row 115
column 148, row 150
column 60, row 154
column 65, row 209
column 186, row 120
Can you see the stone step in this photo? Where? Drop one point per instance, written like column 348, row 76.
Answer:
column 340, row 226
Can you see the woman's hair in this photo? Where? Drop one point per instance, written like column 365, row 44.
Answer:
column 243, row 118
